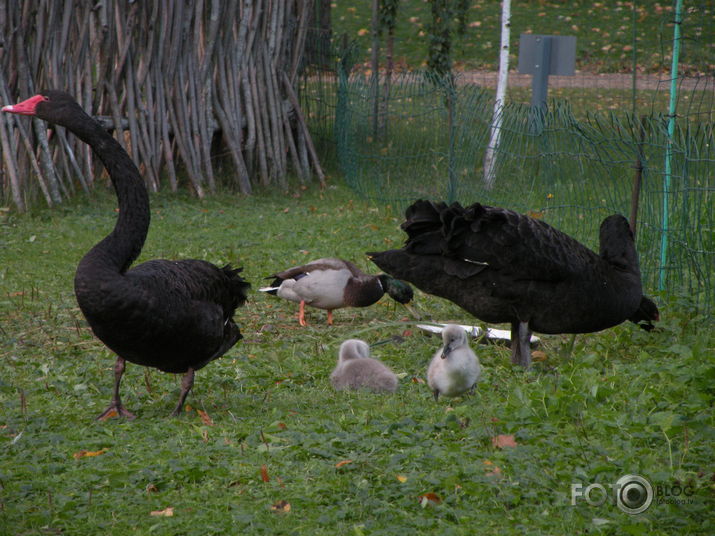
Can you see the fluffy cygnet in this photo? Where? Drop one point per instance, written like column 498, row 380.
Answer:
column 357, row 370
column 454, row 369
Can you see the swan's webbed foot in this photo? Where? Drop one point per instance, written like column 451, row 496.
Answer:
column 115, row 409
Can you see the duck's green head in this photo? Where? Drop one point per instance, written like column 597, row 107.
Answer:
column 398, row 290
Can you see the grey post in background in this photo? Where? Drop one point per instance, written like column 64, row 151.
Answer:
column 544, row 55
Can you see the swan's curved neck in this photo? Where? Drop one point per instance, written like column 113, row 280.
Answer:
column 122, row 246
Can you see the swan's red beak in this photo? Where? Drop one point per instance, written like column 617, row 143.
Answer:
column 26, row 107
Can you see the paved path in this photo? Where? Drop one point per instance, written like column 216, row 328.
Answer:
column 590, row 80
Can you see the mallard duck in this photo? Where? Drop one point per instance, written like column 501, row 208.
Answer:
column 454, row 369
column 332, row 284
column 502, row 266
column 357, row 370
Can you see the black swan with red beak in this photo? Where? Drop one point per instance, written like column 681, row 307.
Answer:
column 502, row 266
column 176, row 316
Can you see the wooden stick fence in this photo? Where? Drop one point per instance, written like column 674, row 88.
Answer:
column 172, row 79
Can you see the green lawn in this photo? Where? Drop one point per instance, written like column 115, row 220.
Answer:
column 608, row 33
column 277, row 451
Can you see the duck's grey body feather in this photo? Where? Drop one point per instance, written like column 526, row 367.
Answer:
column 332, row 283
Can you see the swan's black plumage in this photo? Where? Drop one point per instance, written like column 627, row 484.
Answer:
column 176, row 316
column 502, row 266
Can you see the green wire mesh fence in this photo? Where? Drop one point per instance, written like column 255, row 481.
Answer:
column 639, row 141
column 570, row 167
column 569, row 171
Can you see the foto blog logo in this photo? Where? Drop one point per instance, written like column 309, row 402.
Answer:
column 633, row 494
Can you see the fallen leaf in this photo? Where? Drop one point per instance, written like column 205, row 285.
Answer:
column 341, row 463
column 492, row 470
column 495, row 473
column 502, row 441
column 429, row 498
column 401, row 478
column 281, row 507
column 407, row 333
column 166, row 512
column 415, row 379
column 208, row 421
column 538, row 355
column 151, row 488
column 88, row 453
column 264, row 473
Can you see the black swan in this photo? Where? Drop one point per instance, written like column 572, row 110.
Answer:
column 172, row 315
column 502, row 266
column 332, row 283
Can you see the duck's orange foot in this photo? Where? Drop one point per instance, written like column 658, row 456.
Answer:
column 301, row 314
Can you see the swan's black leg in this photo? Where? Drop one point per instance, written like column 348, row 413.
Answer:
column 569, row 348
column 515, row 348
column 115, row 408
column 524, row 343
column 520, row 348
column 436, row 394
column 186, row 384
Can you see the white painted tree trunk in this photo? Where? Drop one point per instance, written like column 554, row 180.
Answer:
column 502, row 82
